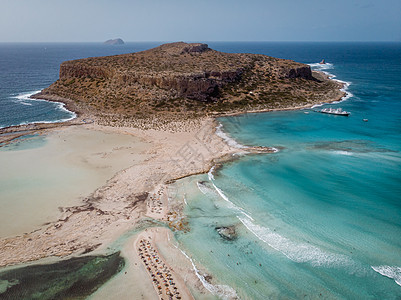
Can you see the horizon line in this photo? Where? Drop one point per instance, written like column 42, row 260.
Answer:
column 194, row 41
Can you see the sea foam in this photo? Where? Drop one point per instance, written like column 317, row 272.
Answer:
column 210, row 173
column 346, row 84
column 231, row 204
column 230, row 141
column 321, row 67
column 25, row 99
column 205, row 189
column 297, row 252
column 222, row 291
column 390, row 272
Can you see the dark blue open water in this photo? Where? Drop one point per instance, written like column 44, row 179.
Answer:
column 25, row 69
column 321, row 218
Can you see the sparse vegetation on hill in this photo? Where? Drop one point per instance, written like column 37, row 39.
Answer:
column 181, row 80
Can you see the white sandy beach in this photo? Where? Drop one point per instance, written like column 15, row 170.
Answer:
column 110, row 179
column 143, row 161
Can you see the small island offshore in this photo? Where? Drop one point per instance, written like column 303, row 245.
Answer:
column 168, row 98
column 114, row 42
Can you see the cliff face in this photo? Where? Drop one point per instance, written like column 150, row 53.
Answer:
column 177, row 76
column 198, row 86
column 295, row 72
column 68, row 70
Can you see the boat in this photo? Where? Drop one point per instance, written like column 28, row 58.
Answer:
column 335, row 111
column 323, row 62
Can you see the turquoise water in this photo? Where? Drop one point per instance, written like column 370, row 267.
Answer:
column 321, row 218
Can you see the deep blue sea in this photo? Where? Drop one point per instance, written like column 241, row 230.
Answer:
column 27, row 68
column 321, row 218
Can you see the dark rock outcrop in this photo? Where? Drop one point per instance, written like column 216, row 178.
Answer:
column 195, row 48
column 297, row 72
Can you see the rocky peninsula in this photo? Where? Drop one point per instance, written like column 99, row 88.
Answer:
column 180, row 80
column 167, row 97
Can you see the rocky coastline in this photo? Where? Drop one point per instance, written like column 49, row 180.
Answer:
column 205, row 85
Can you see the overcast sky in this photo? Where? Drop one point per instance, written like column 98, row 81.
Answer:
column 199, row 20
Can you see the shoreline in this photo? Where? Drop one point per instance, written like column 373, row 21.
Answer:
column 126, row 199
column 83, row 116
column 131, row 195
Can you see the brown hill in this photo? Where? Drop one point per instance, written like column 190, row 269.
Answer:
column 180, row 79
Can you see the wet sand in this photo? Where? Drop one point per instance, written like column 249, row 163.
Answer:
column 41, row 175
column 109, row 180
column 139, row 192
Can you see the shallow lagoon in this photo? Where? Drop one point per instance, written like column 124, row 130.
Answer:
column 42, row 173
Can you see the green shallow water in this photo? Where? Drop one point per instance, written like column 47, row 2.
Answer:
column 75, row 278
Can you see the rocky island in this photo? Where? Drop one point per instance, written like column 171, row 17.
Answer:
column 163, row 101
column 114, row 42
column 179, row 80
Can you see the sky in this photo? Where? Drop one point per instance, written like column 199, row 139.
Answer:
column 199, row 20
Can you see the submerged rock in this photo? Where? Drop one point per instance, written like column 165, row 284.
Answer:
column 227, row 233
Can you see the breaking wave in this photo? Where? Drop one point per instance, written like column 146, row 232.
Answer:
column 223, row 291
column 205, row 189
column 343, row 152
column 230, row 204
column 297, row 252
column 25, row 99
column 390, row 272
column 230, row 141
column 210, row 174
column 321, row 67
column 346, row 84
